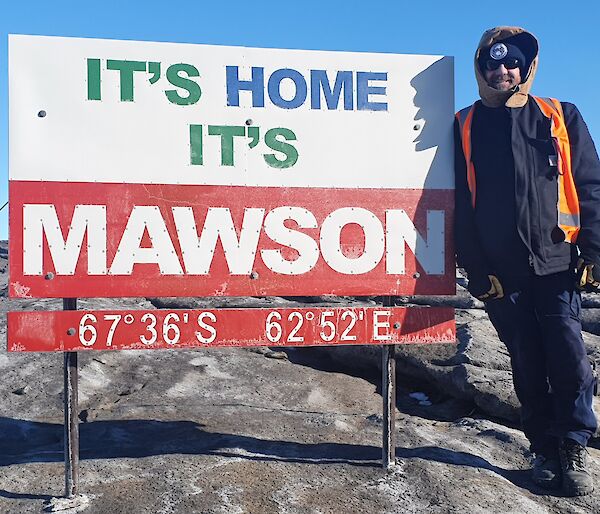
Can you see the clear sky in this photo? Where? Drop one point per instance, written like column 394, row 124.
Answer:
column 568, row 34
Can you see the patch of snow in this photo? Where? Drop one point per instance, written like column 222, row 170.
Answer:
column 342, row 425
column 420, row 397
column 68, row 505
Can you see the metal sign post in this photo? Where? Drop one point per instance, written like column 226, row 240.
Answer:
column 71, row 427
column 388, row 393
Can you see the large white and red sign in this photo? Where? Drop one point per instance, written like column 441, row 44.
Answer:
column 159, row 169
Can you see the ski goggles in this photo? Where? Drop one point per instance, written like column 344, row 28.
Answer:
column 510, row 64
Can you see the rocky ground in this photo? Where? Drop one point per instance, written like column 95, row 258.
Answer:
column 282, row 431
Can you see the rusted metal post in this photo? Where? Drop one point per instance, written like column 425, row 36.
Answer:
column 71, row 409
column 388, row 392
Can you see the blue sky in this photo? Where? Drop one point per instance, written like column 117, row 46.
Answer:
column 569, row 45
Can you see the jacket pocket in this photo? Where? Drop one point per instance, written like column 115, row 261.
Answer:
column 545, row 158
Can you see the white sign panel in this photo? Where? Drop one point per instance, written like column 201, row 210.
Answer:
column 129, row 111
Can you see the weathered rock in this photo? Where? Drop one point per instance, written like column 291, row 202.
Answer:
column 477, row 369
column 462, row 300
column 590, row 320
column 590, row 300
column 217, row 302
column 231, row 431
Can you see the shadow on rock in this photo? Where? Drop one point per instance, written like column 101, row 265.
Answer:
column 28, row 441
column 520, row 478
column 24, row 496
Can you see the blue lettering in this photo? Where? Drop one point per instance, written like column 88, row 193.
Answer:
column 364, row 90
column 368, row 95
column 274, row 87
column 235, row 85
column 319, row 80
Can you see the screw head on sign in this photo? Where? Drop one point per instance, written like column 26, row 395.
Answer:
column 416, row 126
column 248, row 122
column 397, row 325
column 416, row 275
column 41, row 114
column 254, row 275
column 49, row 275
column 71, row 332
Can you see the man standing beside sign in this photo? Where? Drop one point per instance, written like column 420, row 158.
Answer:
column 528, row 215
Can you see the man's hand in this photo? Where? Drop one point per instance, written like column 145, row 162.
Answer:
column 588, row 276
column 486, row 287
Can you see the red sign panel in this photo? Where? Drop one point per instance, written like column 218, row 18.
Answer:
column 137, row 330
column 115, row 240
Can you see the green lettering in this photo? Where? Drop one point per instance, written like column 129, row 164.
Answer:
column 154, row 70
column 126, row 69
column 177, row 80
column 93, row 79
column 227, row 134
column 196, row 144
column 290, row 152
column 254, row 134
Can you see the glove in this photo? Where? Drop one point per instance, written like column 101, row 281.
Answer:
column 588, row 276
column 486, row 287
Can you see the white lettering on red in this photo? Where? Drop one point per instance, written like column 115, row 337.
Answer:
column 400, row 232
column 331, row 231
column 129, row 251
column 40, row 219
column 198, row 252
column 306, row 246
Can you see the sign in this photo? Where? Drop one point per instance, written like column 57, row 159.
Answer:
column 135, row 330
column 160, row 169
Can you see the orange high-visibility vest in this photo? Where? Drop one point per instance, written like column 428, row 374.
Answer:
column 568, row 219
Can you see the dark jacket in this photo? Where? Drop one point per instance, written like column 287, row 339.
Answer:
column 513, row 228
column 514, row 223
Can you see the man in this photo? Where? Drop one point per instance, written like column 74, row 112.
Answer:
column 527, row 215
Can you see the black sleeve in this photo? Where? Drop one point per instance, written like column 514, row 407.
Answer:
column 469, row 254
column 586, row 173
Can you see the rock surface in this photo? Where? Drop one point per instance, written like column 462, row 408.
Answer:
column 477, row 369
column 230, row 430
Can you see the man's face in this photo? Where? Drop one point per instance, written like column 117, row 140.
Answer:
column 501, row 78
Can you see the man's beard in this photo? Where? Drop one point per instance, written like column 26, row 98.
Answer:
column 505, row 83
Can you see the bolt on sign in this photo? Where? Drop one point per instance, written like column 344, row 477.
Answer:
column 160, row 169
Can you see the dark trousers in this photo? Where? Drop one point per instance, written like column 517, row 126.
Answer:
column 539, row 322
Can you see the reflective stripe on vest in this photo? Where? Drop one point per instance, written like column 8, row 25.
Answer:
column 465, row 119
column 568, row 201
column 568, row 219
